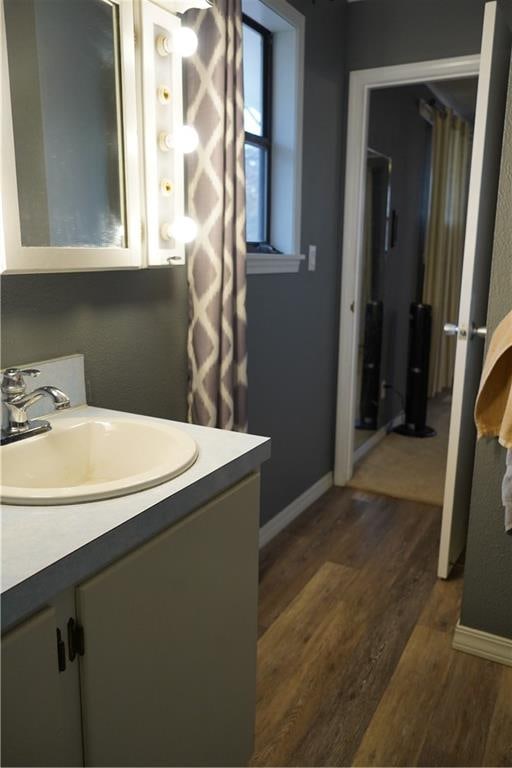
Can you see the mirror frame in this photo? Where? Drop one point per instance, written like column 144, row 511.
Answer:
column 17, row 258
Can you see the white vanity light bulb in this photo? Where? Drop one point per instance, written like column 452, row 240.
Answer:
column 185, row 41
column 187, row 139
column 183, row 229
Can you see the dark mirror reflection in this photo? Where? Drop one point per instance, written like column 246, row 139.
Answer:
column 66, row 101
column 377, row 233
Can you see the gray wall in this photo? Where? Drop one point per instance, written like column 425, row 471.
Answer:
column 293, row 318
column 487, row 602
column 131, row 326
column 384, row 32
column 397, row 130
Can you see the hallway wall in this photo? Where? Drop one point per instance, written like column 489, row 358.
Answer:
column 293, row 319
column 385, row 32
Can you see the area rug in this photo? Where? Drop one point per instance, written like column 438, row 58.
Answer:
column 409, row 467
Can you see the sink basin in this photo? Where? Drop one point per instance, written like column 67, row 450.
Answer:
column 84, row 459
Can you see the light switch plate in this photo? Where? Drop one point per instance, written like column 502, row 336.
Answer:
column 312, row 258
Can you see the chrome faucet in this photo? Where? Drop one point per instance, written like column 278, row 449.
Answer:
column 17, row 400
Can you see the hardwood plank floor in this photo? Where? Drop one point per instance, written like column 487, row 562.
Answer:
column 355, row 664
column 498, row 748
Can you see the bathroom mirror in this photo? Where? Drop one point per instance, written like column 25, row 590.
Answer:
column 376, row 244
column 65, row 87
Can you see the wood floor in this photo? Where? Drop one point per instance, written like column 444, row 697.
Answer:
column 355, row 659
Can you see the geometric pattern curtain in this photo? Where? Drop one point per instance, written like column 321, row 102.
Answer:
column 444, row 247
column 217, row 352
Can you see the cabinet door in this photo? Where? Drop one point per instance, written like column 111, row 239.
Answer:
column 40, row 704
column 169, row 671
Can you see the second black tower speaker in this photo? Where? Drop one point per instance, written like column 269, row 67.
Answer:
column 420, row 325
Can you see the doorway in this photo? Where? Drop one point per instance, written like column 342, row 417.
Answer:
column 363, row 84
column 416, row 187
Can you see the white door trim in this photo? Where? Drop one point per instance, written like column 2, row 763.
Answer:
column 361, row 83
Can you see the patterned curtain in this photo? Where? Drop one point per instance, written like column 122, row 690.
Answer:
column 217, row 352
column 444, row 248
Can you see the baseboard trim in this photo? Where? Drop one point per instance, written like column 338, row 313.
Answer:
column 378, row 436
column 483, row 644
column 296, row 508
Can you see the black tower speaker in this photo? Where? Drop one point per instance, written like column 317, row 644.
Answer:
column 370, row 384
column 420, row 324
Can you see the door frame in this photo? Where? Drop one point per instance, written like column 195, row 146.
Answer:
column 361, row 83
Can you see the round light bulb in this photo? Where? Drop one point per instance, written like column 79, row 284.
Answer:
column 187, row 138
column 185, row 41
column 184, row 229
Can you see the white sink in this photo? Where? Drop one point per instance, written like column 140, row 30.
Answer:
column 87, row 458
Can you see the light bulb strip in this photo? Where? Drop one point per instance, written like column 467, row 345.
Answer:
column 183, row 230
column 166, row 43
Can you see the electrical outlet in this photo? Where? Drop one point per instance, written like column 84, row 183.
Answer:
column 383, row 389
column 312, row 258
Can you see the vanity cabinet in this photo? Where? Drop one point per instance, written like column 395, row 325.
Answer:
column 168, row 671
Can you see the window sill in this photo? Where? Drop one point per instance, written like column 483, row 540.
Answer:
column 273, row 263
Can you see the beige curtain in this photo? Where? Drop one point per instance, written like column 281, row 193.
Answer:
column 444, row 247
column 217, row 352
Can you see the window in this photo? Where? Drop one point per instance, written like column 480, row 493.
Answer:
column 257, row 53
column 273, row 57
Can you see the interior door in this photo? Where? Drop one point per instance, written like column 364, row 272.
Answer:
column 483, row 189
